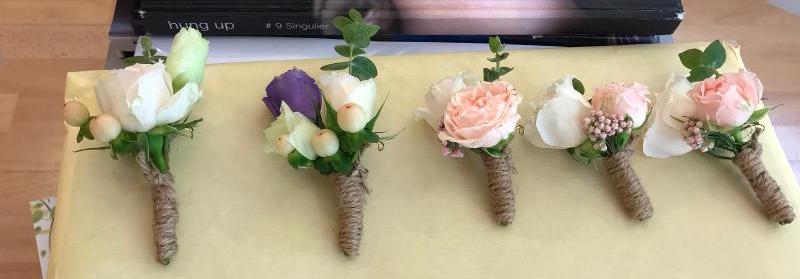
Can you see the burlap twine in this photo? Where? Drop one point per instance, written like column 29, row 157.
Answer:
column 629, row 187
column 165, row 209
column 500, row 171
column 351, row 189
column 766, row 188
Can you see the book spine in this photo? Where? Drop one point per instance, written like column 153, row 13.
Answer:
column 221, row 24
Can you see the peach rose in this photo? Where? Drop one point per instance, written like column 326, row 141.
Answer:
column 482, row 115
column 728, row 100
column 625, row 98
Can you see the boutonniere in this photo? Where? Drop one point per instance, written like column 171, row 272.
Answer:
column 326, row 124
column 143, row 108
column 600, row 128
column 481, row 116
column 718, row 115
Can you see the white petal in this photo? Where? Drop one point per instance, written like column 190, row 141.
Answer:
column 275, row 130
column 300, row 131
column 532, row 134
column 663, row 138
column 363, row 95
column 179, row 104
column 438, row 97
column 675, row 102
column 560, row 122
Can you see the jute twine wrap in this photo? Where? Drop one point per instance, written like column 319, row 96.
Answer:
column 352, row 190
column 629, row 187
column 165, row 209
column 500, row 171
column 766, row 188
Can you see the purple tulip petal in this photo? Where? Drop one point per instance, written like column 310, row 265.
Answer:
column 298, row 90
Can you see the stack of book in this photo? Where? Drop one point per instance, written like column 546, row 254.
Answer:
column 549, row 22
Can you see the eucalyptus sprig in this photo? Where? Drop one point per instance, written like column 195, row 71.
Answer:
column 149, row 54
column 703, row 64
column 356, row 34
column 494, row 73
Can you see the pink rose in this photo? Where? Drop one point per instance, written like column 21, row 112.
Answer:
column 728, row 100
column 481, row 115
column 624, row 98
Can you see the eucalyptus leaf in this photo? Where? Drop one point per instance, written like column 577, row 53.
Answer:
column 355, row 16
column 340, row 22
column 336, row 66
column 691, row 58
column 489, row 75
column 503, row 70
column 714, row 55
column 495, row 44
column 37, row 216
column 578, row 86
column 698, row 74
column 363, row 68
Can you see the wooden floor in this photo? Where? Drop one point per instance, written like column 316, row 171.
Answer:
column 41, row 40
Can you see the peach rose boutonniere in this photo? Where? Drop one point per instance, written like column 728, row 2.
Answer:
column 480, row 116
column 603, row 129
column 719, row 116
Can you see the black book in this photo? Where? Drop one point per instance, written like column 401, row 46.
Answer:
column 403, row 18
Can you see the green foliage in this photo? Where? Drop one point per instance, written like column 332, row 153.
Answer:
column 585, row 153
column 497, row 150
column 578, row 86
column 729, row 142
column 84, row 132
column 494, row 73
column 149, row 54
column 357, row 35
column 154, row 143
column 298, row 161
column 703, row 63
column 758, row 115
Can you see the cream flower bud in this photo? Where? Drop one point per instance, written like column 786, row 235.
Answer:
column 75, row 113
column 325, row 143
column 283, row 146
column 105, row 127
column 351, row 118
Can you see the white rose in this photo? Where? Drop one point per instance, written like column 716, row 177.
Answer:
column 663, row 138
column 340, row 88
column 187, row 58
column 299, row 129
column 439, row 95
column 140, row 97
column 558, row 121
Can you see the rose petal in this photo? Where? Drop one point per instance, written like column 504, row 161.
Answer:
column 179, row 104
column 560, row 122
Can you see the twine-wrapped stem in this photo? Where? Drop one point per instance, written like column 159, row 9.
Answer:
column 765, row 187
column 165, row 209
column 351, row 189
column 634, row 197
column 500, row 171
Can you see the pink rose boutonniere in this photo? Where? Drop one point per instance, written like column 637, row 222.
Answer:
column 480, row 116
column 718, row 115
column 603, row 129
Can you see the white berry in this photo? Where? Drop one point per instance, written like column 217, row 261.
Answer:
column 325, row 143
column 351, row 118
column 105, row 127
column 75, row 113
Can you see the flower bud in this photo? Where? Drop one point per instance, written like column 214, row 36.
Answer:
column 325, row 143
column 283, row 146
column 352, row 118
column 105, row 127
column 75, row 113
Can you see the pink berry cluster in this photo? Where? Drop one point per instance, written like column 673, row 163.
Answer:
column 454, row 153
column 601, row 126
column 693, row 136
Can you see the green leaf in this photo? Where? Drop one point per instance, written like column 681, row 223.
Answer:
column 37, row 215
column 162, row 130
column 489, row 75
column 336, row 66
column 92, row 148
column 340, row 22
column 156, row 150
column 492, row 152
column 370, row 136
column 340, row 163
column 147, row 43
column 120, row 146
column 371, row 124
column 359, row 34
column 691, row 58
column 343, row 50
column 757, row 115
column 499, row 57
column 351, row 143
column 714, row 55
column 495, row 45
column 298, row 161
column 330, row 117
column 84, row 132
column 698, row 74
column 38, row 205
column 363, row 68
column 186, row 125
column 355, row 16
column 503, row 70
column 323, row 165
column 578, row 85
